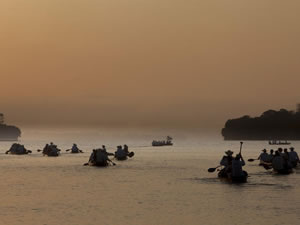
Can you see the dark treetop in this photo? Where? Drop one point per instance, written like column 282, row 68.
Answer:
column 8, row 133
column 271, row 125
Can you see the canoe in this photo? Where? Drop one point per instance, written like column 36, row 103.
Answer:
column 121, row 158
column 279, row 143
column 161, row 144
column 105, row 164
column 284, row 171
column 229, row 178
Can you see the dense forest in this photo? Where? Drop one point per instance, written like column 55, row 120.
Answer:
column 271, row 125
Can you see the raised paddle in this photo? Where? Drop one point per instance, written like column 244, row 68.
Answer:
column 241, row 147
column 211, row 170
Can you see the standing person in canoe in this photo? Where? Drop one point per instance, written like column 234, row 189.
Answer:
column 293, row 157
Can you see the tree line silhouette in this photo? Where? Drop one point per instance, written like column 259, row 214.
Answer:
column 271, row 125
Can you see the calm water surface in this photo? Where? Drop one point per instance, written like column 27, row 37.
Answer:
column 159, row 186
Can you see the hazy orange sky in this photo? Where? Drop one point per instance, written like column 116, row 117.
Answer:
column 191, row 63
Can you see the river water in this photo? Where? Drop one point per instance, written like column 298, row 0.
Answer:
column 158, row 186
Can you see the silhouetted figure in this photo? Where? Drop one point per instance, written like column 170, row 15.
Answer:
column 51, row 150
column 120, row 154
column 226, row 161
column 270, row 156
column 278, row 163
column 237, row 167
column 293, row 157
column 126, row 149
column 264, row 156
column 99, row 157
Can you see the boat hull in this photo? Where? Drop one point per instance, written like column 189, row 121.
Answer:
column 229, row 178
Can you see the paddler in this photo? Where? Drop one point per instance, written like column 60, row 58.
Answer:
column 237, row 166
column 226, row 161
column 264, row 156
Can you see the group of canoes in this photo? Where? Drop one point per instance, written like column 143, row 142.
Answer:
column 99, row 157
column 281, row 161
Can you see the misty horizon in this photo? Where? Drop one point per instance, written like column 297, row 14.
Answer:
column 147, row 63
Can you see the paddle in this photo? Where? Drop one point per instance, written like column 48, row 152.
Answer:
column 111, row 154
column 112, row 162
column 241, row 147
column 39, row 150
column 267, row 167
column 130, row 154
column 252, row 160
column 211, row 170
column 68, row 150
column 29, row 151
column 7, row 152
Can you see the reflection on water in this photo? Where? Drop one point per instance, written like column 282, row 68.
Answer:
column 167, row 185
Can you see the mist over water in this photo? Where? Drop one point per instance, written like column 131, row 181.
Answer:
column 164, row 185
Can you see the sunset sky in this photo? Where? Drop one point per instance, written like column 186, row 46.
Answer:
column 182, row 63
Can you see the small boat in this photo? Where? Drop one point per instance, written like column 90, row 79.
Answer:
column 163, row 143
column 278, row 142
column 123, row 156
column 17, row 149
column 231, row 179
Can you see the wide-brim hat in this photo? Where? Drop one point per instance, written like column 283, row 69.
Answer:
column 229, row 152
